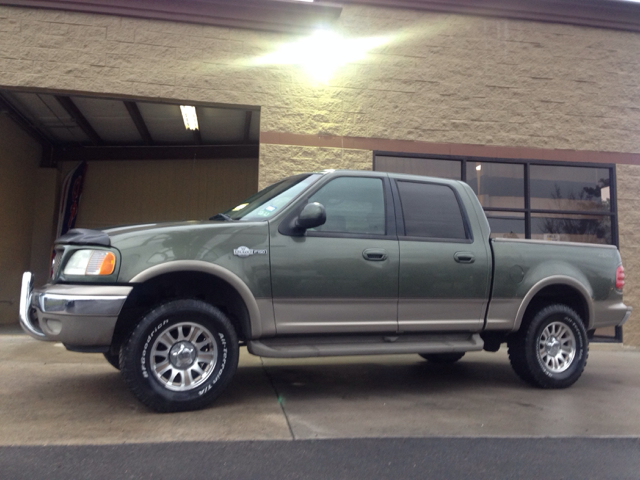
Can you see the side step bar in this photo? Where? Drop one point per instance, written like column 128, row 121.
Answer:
column 330, row 346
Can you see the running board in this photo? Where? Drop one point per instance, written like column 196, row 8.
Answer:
column 330, row 346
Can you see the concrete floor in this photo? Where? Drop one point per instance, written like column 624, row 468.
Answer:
column 51, row 396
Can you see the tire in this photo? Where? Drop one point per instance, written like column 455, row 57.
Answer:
column 442, row 358
column 180, row 357
column 551, row 350
column 114, row 360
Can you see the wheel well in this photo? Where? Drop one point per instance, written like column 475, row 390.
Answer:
column 172, row 286
column 563, row 294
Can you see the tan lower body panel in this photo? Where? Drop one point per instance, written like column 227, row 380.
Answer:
column 441, row 315
column 335, row 315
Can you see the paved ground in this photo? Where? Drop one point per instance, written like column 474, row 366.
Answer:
column 348, row 459
column 401, row 404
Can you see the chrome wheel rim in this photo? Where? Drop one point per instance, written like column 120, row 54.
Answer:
column 556, row 347
column 183, row 356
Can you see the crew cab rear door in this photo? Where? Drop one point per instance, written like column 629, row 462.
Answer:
column 341, row 277
column 444, row 268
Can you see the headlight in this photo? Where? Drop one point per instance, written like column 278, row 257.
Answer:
column 91, row 262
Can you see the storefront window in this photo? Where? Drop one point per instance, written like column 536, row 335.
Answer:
column 427, row 167
column 571, row 228
column 497, row 185
column 529, row 199
column 570, row 188
column 506, row 224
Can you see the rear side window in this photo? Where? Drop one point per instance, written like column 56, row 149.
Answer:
column 431, row 211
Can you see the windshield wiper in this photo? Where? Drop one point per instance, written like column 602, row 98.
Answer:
column 221, row 216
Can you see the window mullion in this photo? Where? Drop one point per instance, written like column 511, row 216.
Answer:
column 527, row 202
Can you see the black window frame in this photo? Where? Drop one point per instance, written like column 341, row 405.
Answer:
column 527, row 210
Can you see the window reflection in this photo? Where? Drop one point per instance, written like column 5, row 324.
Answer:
column 497, row 185
column 572, row 228
column 506, row 224
column 420, row 166
column 569, row 188
column 566, row 203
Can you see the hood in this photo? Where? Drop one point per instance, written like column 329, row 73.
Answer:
column 143, row 246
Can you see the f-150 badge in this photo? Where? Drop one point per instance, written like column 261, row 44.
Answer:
column 247, row 252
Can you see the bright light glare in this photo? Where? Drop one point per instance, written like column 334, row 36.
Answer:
column 321, row 54
column 478, row 167
column 189, row 116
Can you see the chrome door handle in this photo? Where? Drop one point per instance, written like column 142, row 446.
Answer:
column 464, row 257
column 375, row 254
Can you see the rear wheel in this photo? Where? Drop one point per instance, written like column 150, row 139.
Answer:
column 551, row 350
column 442, row 358
column 180, row 357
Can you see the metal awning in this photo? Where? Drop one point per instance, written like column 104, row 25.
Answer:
column 75, row 127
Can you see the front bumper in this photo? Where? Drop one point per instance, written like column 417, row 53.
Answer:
column 80, row 316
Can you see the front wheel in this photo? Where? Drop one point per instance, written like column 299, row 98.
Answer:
column 551, row 350
column 180, row 357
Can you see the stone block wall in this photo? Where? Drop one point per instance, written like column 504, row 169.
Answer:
column 279, row 161
column 628, row 181
column 438, row 78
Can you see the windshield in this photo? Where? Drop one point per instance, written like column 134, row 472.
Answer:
column 267, row 202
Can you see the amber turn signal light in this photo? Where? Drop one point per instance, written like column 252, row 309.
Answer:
column 101, row 263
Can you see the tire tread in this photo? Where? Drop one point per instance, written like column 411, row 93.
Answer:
column 523, row 362
column 129, row 362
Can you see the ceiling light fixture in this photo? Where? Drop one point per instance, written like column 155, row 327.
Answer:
column 189, row 116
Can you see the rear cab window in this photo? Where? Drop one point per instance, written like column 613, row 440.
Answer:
column 432, row 211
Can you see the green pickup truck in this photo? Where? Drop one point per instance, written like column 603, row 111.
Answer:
column 322, row 264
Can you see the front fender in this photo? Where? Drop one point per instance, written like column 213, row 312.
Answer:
column 217, row 271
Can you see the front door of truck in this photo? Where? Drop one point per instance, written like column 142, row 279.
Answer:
column 444, row 270
column 341, row 277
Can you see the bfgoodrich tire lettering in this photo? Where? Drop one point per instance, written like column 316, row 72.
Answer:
column 180, row 357
column 551, row 350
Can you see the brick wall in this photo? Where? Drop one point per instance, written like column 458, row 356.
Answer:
column 628, row 180
column 441, row 78
column 278, row 161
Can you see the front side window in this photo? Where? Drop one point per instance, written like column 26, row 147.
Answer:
column 354, row 205
column 431, row 211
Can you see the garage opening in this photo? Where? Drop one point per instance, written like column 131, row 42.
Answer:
column 145, row 162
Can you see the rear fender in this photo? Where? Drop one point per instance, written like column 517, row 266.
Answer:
column 556, row 280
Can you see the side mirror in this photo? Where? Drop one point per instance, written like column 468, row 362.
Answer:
column 312, row 215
